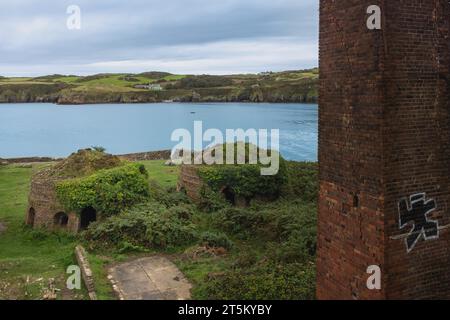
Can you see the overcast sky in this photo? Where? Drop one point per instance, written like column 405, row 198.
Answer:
column 178, row 36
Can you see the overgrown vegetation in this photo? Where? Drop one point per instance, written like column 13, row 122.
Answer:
column 302, row 181
column 83, row 163
column 265, row 281
column 262, row 251
column 265, row 250
column 243, row 181
column 107, row 191
column 153, row 224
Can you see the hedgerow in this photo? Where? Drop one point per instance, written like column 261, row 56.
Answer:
column 107, row 191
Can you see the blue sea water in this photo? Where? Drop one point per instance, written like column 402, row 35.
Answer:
column 57, row 131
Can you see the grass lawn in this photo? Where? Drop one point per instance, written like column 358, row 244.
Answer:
column 30, row 258
column 166, row 176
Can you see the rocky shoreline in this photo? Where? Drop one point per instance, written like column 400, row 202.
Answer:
column 74, row 98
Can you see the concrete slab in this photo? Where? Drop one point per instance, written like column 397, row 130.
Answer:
column 149, row 278
column 127, row 271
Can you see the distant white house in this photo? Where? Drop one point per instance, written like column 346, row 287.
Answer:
column 150, row 86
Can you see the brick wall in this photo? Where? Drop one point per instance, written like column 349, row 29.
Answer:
column 43, row 202
column 190, row 182
column 383, row 136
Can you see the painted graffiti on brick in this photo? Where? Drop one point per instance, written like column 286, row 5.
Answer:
column 374, row 20
column 415, row 212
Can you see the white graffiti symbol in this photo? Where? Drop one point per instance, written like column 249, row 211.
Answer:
column 415, row 211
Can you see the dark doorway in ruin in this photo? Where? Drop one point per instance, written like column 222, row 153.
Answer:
column 30, row 217
column 229, row 195
column 61, row 220
column 88, row 215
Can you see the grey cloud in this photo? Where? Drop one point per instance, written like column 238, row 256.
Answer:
column 34, row 35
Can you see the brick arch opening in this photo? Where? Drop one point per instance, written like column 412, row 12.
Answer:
column 31, row 216
column 87, row 216
column 61, row 219
column 229, row 195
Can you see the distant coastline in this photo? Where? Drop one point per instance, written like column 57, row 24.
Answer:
column 155, row 87
column 139, row 156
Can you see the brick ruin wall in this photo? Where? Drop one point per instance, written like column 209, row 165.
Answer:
column 43, row 202
column 383, row 137
column 43, row 205
column 190, row 182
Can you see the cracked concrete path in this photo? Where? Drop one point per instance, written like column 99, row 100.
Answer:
column 149, row 278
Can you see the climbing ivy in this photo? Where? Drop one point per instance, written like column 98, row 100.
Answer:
column 107, row 191
column 244, row 180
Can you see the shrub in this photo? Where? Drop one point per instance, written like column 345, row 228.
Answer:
column 243, row 222
column 168, row 197
column 302, row 181
column 288, row 227
column 107, row 191
column 126, row 247
column 149, row 225
column 211, row 201
column 244, row 180
column 263, row 282
column 292, row 226
column 216, row 240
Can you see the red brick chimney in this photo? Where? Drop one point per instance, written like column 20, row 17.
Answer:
column 384, row 149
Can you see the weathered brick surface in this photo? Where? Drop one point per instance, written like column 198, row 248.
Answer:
column 190, row 182
column 43, row 202
column 384, row 135
column 86, row 271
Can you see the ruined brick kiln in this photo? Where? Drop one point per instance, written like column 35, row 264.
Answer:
column 44, row 209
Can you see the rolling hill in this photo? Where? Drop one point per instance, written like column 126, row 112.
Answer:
column 288, row 86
